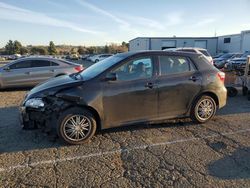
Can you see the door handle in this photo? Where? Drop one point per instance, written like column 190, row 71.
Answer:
column 193, row 78
column 149, row 85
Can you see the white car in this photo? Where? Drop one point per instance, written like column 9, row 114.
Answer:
column 194, row 50
column 99, row 57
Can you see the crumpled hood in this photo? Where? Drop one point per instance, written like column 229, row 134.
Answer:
column 52, row 86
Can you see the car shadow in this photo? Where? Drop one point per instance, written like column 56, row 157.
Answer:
column 16, row 89
column 233, row 166
column 14, row 139
column 167, row 123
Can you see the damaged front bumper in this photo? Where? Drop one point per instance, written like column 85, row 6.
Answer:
column 23, row 116
column 44, row 117
column 33, row 118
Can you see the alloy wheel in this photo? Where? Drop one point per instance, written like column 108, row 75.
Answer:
column 77, row 127
column 205, row 109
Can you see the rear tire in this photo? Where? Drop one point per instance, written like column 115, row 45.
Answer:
column 203, row 109
column 76, row 126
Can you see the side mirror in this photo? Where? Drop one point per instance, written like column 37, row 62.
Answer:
column 6, row 68
column 111, row 76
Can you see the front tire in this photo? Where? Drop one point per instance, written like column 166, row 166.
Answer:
column 203, row 109
column 76, row 126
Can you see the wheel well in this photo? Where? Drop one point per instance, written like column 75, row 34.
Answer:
column 95, row 114
column 214, row 96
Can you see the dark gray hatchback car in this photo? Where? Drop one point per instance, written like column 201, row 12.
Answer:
column 125, row 89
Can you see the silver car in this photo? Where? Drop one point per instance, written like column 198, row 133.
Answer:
column 30, row 71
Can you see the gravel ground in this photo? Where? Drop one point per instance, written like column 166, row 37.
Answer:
column 173, row 154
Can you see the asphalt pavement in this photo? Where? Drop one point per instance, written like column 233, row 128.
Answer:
column 176, row 153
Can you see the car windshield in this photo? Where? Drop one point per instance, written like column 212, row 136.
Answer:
column 101, row 66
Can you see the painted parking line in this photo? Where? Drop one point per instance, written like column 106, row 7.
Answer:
column 119, row 151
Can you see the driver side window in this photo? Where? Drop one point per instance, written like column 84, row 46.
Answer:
column 140, row 68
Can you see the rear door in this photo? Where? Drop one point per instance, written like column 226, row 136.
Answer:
column 41, row 71
column 178, row 82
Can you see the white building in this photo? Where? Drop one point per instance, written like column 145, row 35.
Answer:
column 228, row 43
column 234, row 43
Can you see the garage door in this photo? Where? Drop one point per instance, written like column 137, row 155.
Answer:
column 168, row 44
column 200, row 44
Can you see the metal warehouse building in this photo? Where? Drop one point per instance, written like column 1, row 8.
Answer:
column 228, row 43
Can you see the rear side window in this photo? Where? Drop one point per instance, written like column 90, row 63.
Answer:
column 21, row 65
column 40, row 63
column 53, row 63
column 204, row 52
column 174, row 65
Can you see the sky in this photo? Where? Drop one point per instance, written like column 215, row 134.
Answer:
column 101, row 22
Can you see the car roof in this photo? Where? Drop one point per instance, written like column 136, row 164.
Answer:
column 45, row 58
column 192, row 48
column 39, row 57
column 157, row 52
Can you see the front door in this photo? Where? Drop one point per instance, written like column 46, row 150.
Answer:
column 133, row 96
column 17, row 74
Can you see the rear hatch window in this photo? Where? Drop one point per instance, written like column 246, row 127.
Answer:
column 204, row 52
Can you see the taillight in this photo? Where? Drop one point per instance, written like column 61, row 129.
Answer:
column 79, row 68
column 221, row 76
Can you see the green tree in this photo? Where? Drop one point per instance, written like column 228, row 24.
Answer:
column 73, row 50
column 52, row 48
column 9, row 48
column 17, row 47
column 125, row 44
column 106, row 49
column 81, row 50
column 38, row 51
column 91, row 50
column 23, row 50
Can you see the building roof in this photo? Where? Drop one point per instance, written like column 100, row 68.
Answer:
column 172, row 38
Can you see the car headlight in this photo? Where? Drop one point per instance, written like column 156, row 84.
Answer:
column 34, row 103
